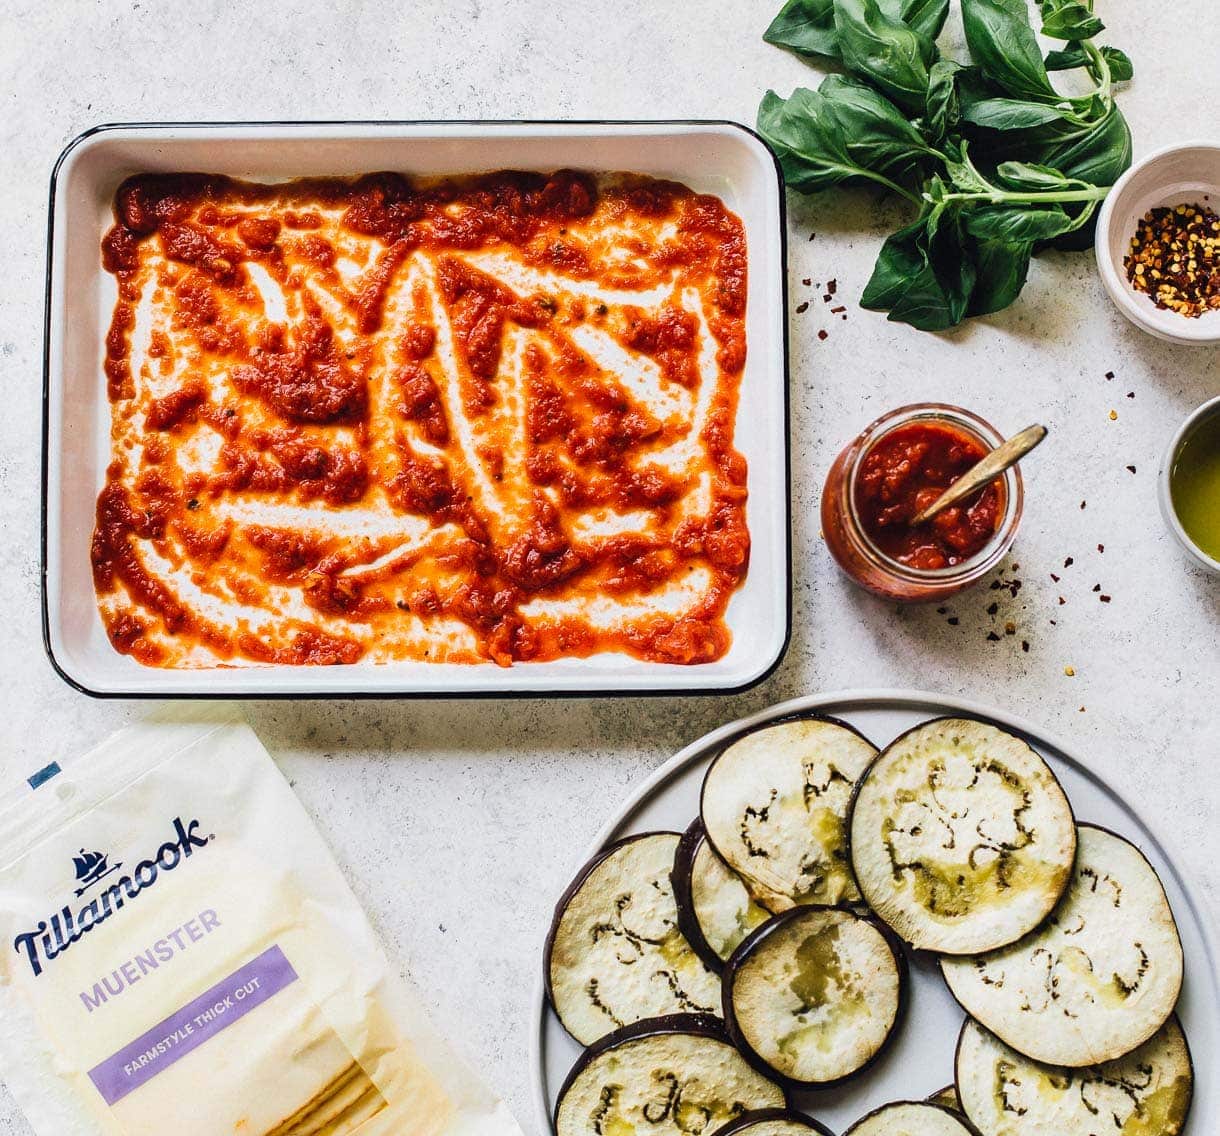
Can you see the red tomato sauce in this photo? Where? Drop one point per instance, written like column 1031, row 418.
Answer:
column 367, row 422
column 906, row 471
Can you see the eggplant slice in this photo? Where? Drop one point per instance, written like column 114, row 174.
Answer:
column 946, row 1098
column 1146, row 1093
column 1098, row 979
column 911, row 1118
column 615, row 954
column 715, row 910
column 962, row 840
column 814, row 995
column 773, row 1122
column 666, row 1077
column 775, row 804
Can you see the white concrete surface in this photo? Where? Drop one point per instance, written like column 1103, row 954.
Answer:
column 459, row 823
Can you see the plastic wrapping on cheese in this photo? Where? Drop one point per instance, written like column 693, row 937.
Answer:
column 181, row 954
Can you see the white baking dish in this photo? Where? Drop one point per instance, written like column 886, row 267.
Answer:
column 723, row 158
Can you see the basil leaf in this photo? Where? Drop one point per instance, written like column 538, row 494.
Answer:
column 1032, row 178
column 1010, row 114
column 886, row 52
column 924, row 275
column 877, row 135
column 806, row 138
column 1070, row 20
column 1099, row 156
column 927, row 17
column 942, row 110
column 966, row 178
column 1004, row 46
column 1122, row 70
column 1017, row 224
column 1002, row 269
column 1068, row 59
column 806, row 27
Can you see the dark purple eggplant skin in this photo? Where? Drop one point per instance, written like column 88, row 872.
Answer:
column 1190, row 1061
column 702, row 1025
column 855, row 794
column 759, row 1116
column 1100, row 828
column 566, row 898
column 758, row 935
column 680, row 881
column 931, row 1097
column 960, row 1117
column 799, row 716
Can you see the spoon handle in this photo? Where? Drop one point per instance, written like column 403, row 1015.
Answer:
column 986, row 471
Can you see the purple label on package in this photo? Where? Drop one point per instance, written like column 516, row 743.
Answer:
column 172, row 1039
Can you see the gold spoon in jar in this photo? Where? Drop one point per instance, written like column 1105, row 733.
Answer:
column 985, row 472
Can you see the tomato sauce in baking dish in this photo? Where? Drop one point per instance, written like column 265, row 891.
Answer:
column 463, row 420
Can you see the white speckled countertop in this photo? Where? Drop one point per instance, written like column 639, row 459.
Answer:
column 459, row 823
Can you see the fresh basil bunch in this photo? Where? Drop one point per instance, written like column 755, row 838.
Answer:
column 996, row 160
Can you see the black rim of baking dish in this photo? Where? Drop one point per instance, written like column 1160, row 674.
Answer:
column 664, row 691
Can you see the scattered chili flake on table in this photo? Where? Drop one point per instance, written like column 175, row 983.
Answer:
column 1131, row 468
column 1109, row 375
column 800, row 308
column 1069, row 562
column 823, row 334
column 1175, row 259
column 1104, row 599
column 1070, row 672
column 1113, row 415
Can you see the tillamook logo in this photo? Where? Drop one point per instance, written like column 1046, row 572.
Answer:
column 57, row 933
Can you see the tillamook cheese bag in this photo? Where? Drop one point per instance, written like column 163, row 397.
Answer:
column 181, row 955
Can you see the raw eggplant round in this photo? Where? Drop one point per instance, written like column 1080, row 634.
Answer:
column 813, row 996
column 962, row 840
column 615, row 954
column 661, row 1077
column 774, row 805
column 715, row 909
column 773, row 1122
column 912, row 1118
column 1146, row 1093
column 1101, row 975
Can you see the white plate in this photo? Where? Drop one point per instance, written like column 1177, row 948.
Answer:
column 921, row 1059
column 723, row 158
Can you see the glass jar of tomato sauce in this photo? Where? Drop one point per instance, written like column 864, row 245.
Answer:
column 898, row 466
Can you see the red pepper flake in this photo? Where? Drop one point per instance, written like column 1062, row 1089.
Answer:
column 1097, row 587
column 1109, row 375
column 1083, row 503
column 1054, row 577
column 953, row 621
column 1101, row 548
column 1062, row 601
column 832, row 287
column 836, row 311
column 993, row 608
column 941, row 610
column 1010, row 628
column 1130, row 394
column 992, row 637
column 1131, row 469
column 826, row 297
column 812, row 235
column 1104, row 599
column 1069, row 562
column 1054, row 623
column 800, row 308
column 823, row 334
column 1172, row 259
column 807, row 281
column 1025, row 645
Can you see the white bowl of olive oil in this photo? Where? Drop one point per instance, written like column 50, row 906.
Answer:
column 1190, row 485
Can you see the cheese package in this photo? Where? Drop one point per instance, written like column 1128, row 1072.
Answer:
column 182, row 955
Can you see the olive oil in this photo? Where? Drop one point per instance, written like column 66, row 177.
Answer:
column 1194, row 485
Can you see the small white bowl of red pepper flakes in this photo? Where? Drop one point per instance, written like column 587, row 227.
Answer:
column 1158, row 243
